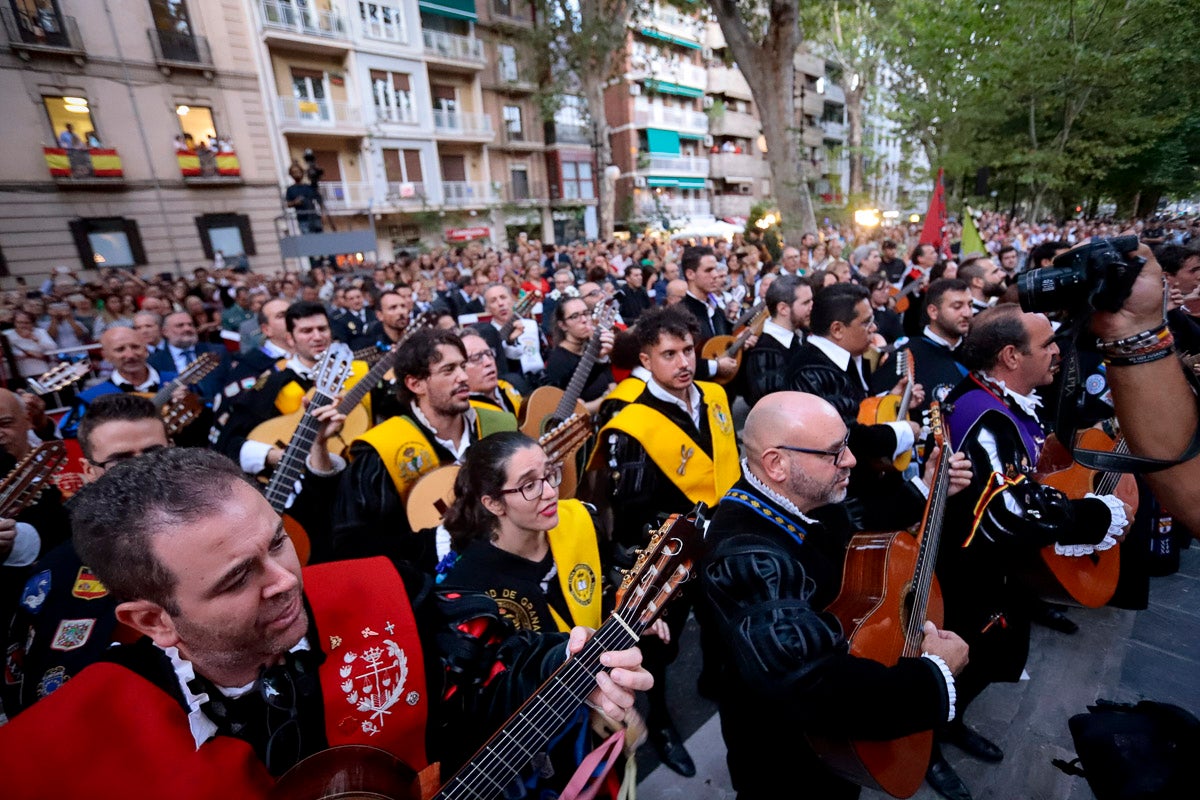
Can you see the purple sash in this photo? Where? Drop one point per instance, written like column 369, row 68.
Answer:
column 972, row 405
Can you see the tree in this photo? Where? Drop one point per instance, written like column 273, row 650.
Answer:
column 764, row 47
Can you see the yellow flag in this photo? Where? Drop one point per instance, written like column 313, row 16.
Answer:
column 971, row 241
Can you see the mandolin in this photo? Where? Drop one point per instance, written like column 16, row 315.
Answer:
column 433, row 494
column 24, row 482
column 893, row 408
column 749, row 324
column 330, row 373
column 1091, row 580
column 660, row 570
column 178, row 414
column 888, row 591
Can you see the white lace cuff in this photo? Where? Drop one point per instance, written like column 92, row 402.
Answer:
column 948, row 676
column 1116, row 526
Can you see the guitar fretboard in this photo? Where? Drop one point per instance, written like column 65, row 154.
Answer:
column 291, row 466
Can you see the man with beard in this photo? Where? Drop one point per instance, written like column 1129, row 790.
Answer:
column 781, row 665
column 672, row 447
column 985, row 281
column 487, row 388
column 790, row 300
column 1005, row 517
column 437, row 426
column 394, row 316
column 241, row 668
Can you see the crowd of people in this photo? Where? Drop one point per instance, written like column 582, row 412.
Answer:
column 523, row 423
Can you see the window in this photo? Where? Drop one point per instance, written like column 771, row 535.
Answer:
column 512, row 124
column 508, row 62
column 229, row 233
column 402, row 166
column 39, row 22
column 174, row 30
column 71, row 122
column 577, row 180
column 393, row 96
column 454, row 168
column 382, row 21
column 445, row 98
column 518, row 180
column 503, row 7
column 308, row 90
column 107, row 242
column 196, row 124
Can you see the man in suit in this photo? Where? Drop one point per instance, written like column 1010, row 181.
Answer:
column 276, row 344
column 149, row 327
column 519, row 358
column 355, row 317
column 184, row 347
column 790, row 299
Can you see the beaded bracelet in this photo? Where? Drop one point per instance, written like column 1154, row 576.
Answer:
column 1141, row 358
column 1144, row 342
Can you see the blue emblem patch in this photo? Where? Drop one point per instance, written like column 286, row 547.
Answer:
column 36, row 589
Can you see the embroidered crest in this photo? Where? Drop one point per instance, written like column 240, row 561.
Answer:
column 52, row 681
column 516, row 608
column 722, row 419
column 373, row 681
column 582, row 584
column 88, row 586
column 1095, row 384
column 36, row 589
column 335, row 642
column 72, row 634
column 14, row 665
column 414, row 459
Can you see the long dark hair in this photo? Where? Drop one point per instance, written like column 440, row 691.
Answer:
column 482, row 474
column 560, row 318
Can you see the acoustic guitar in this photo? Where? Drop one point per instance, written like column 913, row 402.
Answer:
column 360, row 771
column 59, row 377
column 1091, row 580
column 330, row 373
column 433, row 493
column 32, row 474
column 892, row 408
column 750, row 324
column 521, row 310
column 178, row 414
column 888, row 591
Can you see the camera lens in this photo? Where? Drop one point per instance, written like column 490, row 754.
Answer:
column 1050, row 289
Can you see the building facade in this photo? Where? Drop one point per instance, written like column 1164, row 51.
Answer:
column 135, row 137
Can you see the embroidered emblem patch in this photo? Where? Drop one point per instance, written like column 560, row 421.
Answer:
column 582, row 584
column 72, row 634
column 88, row 586
column 52, row 681
column 36, row 589
column 373, row 681
column 1095, row 384
column 414, row 459
column 14, row 665
column 722, row 419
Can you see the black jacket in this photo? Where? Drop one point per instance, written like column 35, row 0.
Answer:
column 765, row 366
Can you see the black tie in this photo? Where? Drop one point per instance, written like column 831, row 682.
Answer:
column 189, row 356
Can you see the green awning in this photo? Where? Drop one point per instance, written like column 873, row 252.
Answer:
column 666, row 87
column 699, row 137
column 662, row 142
column 666, row 37
column 675, row 183
column 690, row 183
column 450, row 9
column 656, row 181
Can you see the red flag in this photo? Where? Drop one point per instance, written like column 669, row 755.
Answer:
column 935, row 218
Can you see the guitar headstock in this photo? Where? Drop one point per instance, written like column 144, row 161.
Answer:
column 204, row 364
column 605, row 314
column 566, row 436
column 332, row 369
column 30, row 476
column 59, row 377
column 662, row 566
column 937, row 424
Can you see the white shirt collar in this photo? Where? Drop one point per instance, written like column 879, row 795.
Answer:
column 929, row 334
column 294, row 364
column 641, row 373
column 837, row 354
column 459, row 449
column 774, row 496
column 274, row 350
column 151, row 381
column 667, row 397
column 1029, row 403
column 779, row 333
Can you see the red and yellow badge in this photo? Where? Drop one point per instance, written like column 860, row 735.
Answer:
column 88, row 586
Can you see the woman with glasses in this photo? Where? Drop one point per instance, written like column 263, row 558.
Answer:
column 573, row 330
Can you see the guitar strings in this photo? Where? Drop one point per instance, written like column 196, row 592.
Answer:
column 916, row 623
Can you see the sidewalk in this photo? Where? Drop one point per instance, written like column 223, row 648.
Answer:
column 1117, row 655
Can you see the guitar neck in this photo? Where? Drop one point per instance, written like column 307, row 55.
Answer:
column 1107, row 483
column 163, row 395
column 291, row 466
column 930, row 536
column 369, row 381
column 566, row 405
column 738, row 343
column 541, row 716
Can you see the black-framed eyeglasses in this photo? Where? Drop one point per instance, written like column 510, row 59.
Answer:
column 481, row 356
column 836, row 453
column 578, row 315
column 117, row 458
column 532, row 488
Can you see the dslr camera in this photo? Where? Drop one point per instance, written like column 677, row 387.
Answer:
column 1096, row 277
column 313, row 172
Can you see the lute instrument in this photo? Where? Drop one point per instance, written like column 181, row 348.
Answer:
column 433, row 493
column 888, row 592
column 32, row 474
column 660, row 570
column 749, row 324
column 178, row 414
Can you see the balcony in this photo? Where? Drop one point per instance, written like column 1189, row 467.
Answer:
column 834, row 130
column 514, row 13
column 674, row 165
column 808, row 64
column 320, row 116
column 406, row 194
column 382, row 22
column 452, row 50
column 569, row 133
column 465, row 194
column 834, row 93
column 303, row 27
column 180, row 51
column 96, row 166
column 729, row 82
column 533, row 193
column 657, row 207
column 677, row 119
column 462, row 125
column 732, row 205
column 406, row 115
column 667, row 24
column 50, row 35
column 814, row 102
column 813, row 136
column 735, row 123
column 738, row 165
column 519, row 140
column 344, row 196
column 209, row 167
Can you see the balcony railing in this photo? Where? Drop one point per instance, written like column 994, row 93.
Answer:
column 732, row 205
column 530, row 193
column 730, row 82
column 283, row 15
column 451, row 46
column 406, row 114
column 406, row 193
column 737, row 165
column 180, row 50
column 49, row 33
column 347, row 195
column 318, row 114
column 383, row 22
column 670, row 22
column 95, row 164
column 462, row 123
column 681, row 165
column 209, row 166
column 572, row 133
column 672, row 118
column 469, row 193
column 735, row 123
column 674, row 208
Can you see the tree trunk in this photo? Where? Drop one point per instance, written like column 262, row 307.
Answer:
column 593, row 91
column 854, row 138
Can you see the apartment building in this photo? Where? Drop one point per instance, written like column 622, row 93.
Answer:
column 135, row 137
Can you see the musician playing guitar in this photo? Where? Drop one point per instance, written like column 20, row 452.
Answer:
column 1006, row 517
column 247, row 663
column 394, row 310
column 699, row 267
column 574, row 329
column 775, row 552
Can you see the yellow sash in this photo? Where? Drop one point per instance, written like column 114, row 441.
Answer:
column 701, row 478
column 577, row 555
column 407, row 453
column 288, row 399
column 627, row 390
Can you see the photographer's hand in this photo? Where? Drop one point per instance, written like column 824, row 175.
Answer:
column 1144, row 308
